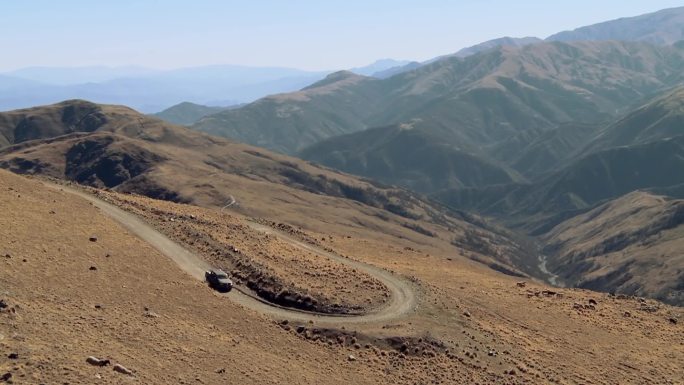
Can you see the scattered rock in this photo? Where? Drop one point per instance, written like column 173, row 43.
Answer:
column 627, row 314
column 93, row 239
column 8, row 256
column 13, row 356
column 592, row 301
column 466, row 313
column 93, row 268
column 673, row 320
column 351, row 358
column 121, row 369
column 521, row 284
column 98, row 306
column 579, row 306
column 648, row 308
column 6, row 377
column 150, row 314
column 3, row 304
column 221, row 371
column 97, row 362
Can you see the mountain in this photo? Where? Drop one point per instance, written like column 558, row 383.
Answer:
column 288, row 122
column 153, row 90
column 187, row 113
column 64, row 76
column 408, row 157
column 663, row 27
column 11, row 83
column 379, row 66
column 494, row 43
column 641, row 150
column 117, row 148
column 67, row 260
column 464, row 52
column 630, row 245
column 483, row 103
column 396, row 70
column 660, row 119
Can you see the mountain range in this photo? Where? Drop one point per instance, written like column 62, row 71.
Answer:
column 511, row 213
column 532, row 133
column 150, row 90
column 537, row 135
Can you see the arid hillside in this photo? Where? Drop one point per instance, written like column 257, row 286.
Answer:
column 130, row 152
column 632, row 245
column 76, row 284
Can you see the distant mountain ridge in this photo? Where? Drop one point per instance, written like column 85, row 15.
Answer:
column 187, row 113
column 149, row 90
column 482, row 101
column 663, row 28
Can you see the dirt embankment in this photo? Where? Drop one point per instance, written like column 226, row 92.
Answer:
column 271, row 267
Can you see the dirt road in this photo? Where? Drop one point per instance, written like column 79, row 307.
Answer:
column 402, row 296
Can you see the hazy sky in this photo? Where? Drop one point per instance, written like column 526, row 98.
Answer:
column 309, row 34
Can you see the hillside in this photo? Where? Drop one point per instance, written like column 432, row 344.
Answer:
column 663, row 27
column 494, row 43
column 630, row 246
column 288, row 122
column 120, row 299
column 641, row 150
column 659, row 119
column 483, row 102
column 589, row 181
column 115, row 147
column 150, row 90
column 187, row 113
column 407, row 157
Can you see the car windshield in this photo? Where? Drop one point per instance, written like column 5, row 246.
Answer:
column 220, row 274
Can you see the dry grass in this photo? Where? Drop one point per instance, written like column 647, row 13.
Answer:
column 467, row 309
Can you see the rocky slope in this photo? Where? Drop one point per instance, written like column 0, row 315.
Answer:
column 631, row 245
column 118, row 299
column 129, row 152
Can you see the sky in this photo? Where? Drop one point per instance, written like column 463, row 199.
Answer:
column 305, row 34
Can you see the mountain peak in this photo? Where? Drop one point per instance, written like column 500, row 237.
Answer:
column 338, row 77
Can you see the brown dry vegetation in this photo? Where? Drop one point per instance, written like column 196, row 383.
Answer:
column 472, row 325
column 264, row 263
column 631, row 245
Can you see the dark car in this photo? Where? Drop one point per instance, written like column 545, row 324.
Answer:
column 218, row 280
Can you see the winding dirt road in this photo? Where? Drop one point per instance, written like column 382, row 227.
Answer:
column 402, row 296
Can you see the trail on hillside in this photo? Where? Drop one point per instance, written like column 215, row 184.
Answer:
column 402, row 298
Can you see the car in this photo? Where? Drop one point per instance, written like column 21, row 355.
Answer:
column 218, row 280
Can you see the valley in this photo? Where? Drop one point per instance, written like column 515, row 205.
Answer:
column 507, row 212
